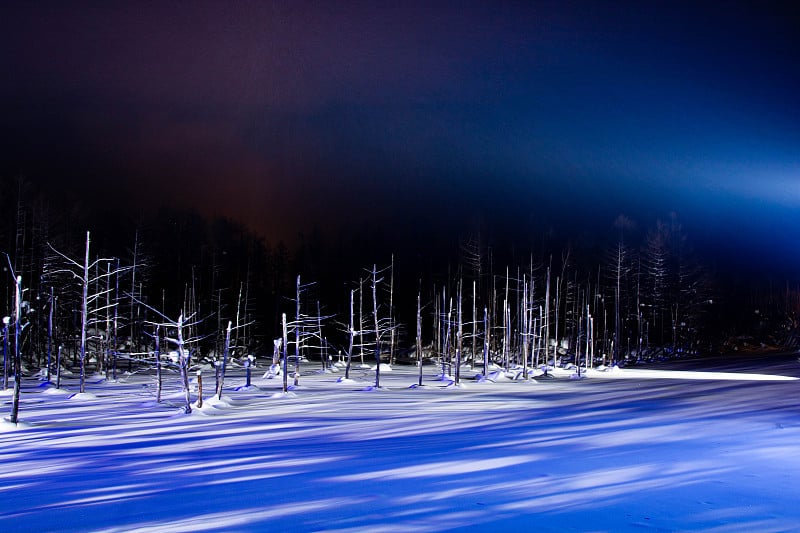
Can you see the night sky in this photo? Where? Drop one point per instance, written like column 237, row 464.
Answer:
column 415, row 122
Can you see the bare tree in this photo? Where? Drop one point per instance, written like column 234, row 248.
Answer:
column 351, row 332
column 6, row 323
column 459, row 336
column 305, row 327
column 284, row 344
column 382, row 326
column 80, row 272
column 419, row 337
column 16, row 319
column 225, row 354
column 375, row 282
column 176, row 335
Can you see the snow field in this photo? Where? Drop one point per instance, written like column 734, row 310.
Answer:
column 598, row 454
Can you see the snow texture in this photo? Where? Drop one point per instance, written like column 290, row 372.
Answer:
column 620, row 450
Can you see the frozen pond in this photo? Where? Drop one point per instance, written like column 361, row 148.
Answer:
column 555, row 454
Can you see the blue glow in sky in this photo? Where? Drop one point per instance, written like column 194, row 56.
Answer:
column 289, row 115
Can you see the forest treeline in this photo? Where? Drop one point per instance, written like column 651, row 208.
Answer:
column 100, row 288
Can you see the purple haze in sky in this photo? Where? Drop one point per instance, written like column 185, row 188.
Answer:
column 506, row 117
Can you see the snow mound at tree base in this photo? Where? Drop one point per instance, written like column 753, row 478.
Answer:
column 373, row 388
column 497, row 375
column 7, row 426
column 83, row 396
column 54, row 390
column 213, row 405
column 283, row 395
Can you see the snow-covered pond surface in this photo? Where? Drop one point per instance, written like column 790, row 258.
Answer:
column 556, row 454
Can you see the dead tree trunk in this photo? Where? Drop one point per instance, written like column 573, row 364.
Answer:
column 158, row 364
column 351, row 334
column 58, row 367
column 17, row 351
column 419, row 337
column 297, row 340
column 446, row 346
column 486, row 341
column 134, row 345
column 547, row 322
column 459, row 336
column 319, row 336
column 226, row 348
column 116, row 330
column 474, row 324
column 524, row 328
column 285, row 355
column 84, row 314
column 377, row 326
column 183, row 362
column 199, row 389
column 391, row 315
column 6, row 322
column 361, row 320
column 50, row 332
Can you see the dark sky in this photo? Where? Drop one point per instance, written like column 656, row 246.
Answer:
column 412, row 120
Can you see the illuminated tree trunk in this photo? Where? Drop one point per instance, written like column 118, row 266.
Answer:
column 183, row 363
column 132, row 325
column 115, row 345
column 474, row 323
column 377, row 326
column 58, row 367
column 351, row 334
column 50, row 332
column 419, row 337
column 524, row 329
column 459, row 337
column 555, row 323
column 486, row 341
column 391, row 315
column 506, row 324
column 225, row 351
column 446, row 346
column 107, row 335
column 6, row 322
column 158, row 364
column 361, row 320
column 297, row 339
column 17, row 351
column 547, row 322
column 84, row 315
column 319, row 336
column 285, row 355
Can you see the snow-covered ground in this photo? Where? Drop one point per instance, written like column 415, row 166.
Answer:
column 555, row 454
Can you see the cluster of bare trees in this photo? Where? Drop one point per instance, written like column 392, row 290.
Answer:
column 209, row 293
column 68, row 308
column 639, row 302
